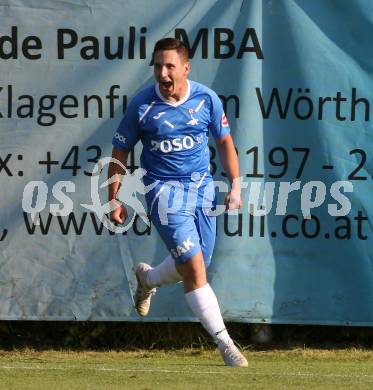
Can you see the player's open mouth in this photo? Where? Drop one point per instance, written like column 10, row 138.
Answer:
column 166, row 85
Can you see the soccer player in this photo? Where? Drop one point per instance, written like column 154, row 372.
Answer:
column 173, row 119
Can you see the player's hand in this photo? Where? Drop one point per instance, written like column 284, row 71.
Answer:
column 119, row 215
column 233, row 200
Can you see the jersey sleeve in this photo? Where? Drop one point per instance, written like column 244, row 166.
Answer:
column 128, row 131
column 219, row 125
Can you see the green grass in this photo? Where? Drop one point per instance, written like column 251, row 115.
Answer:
column 186, row 369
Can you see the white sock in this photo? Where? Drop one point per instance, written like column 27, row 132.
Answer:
column 164, row 273
column 205, row 306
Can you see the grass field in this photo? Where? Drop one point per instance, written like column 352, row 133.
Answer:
column 186, row 369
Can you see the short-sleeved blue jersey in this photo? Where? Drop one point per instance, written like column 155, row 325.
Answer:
column 174, row 135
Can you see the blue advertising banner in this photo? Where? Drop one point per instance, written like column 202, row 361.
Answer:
column 295, row 79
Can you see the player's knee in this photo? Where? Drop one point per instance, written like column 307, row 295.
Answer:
column 192, row 268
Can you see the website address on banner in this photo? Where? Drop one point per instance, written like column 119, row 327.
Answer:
column 290, row 226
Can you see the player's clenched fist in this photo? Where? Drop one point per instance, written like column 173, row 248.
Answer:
column 233, row 201
column 119, row 215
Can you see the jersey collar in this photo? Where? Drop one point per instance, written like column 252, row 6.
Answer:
column 183, row 100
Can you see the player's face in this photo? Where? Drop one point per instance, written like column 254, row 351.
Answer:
column 171, row 71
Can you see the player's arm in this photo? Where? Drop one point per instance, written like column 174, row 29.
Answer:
column 229, row 159
column 124, row 139
column 116, row 172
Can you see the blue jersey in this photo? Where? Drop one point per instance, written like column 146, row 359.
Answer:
column 174, row 135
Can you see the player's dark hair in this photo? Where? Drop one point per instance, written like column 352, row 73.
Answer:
column 172, row 44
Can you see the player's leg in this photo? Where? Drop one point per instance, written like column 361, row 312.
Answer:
column 199, row 294
column 148, row 278
column 163, row 274
column 201, row 298
column 204, row 304
column 176, row 233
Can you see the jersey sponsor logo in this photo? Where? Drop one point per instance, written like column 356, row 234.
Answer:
column 120, row 138
column 159, row 115
column 224, row 121
column 183, row 248
column 173, row 145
